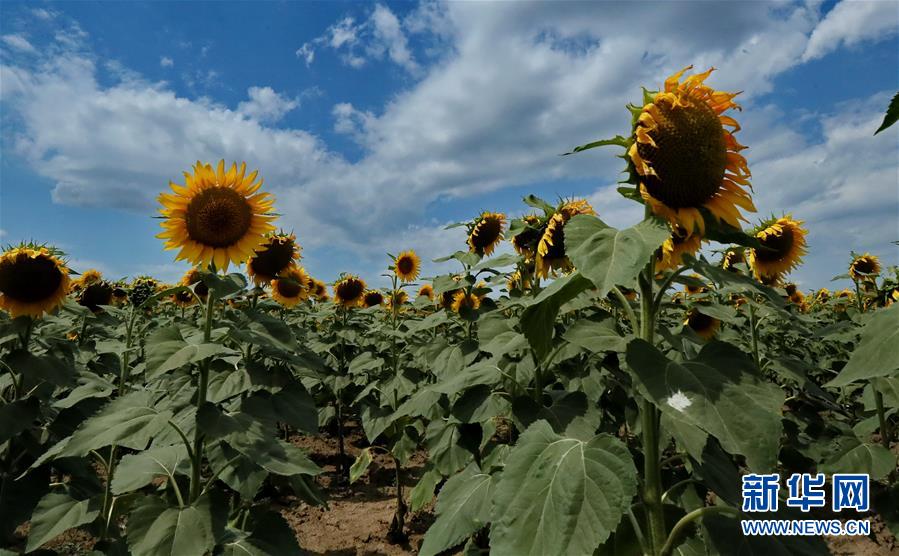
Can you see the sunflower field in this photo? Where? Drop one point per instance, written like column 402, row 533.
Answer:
column 592, row 390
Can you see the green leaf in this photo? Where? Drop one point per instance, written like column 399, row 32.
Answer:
column 190, row 353
column 57, row 513
column 561, row 495
column 135, row 471
column 854, row 456
column 720, row 392
column 89, row 386
column 463, row 508
column 55, row 370
column 155, row 529
column 876, row 354
column 610, row 257
column 618, row 140
column 442, row 441
column 363, row 460
column 271, row 536
column 891, row 115
column 538, row 320
column 595, row 337
column 423, row 492
column 17, row 416
column 223, row 286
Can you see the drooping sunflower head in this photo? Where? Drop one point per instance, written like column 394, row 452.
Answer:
column 783, row 240
column 318, row 289
column 407, row 265
column 426, row 290
column 372, row 298
column 686, row 157
column 88, row 277
column 348, row 290
column 551, row 255
column 278, row 252
column 679, row 243
column 291, row 287
column 96, row 294
column 142, row 288
column 525, row 241
column 194, row 277
column 733, row 256
column 485, row 232
column 33, row 280
column 695, row 289
column 704, row 326
column 822, row 295
column 518, row 281
column 463, row 300
column 216, row 216
column 119, row 292
column 397, row 299
column 864, row 267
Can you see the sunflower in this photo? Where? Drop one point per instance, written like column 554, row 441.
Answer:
column 426, row 290
column 693, row 289
column 518, row 281
column 685, row 156
column 784, row 243
column 348, row 290
column 407, row 265
column 318, row 289
column 822, row 295
column 525, row 241
column 551, row 254
column 194, row 277
column 217, row 216
column 397, row 299
column 119, row 293
column 704, row 326
column 733, row 256
column 372, row 298
column 291, row 287
column 142, row 288
column 864, row 267
column 96, row 294
column 679, row 243
column 87, row 278
column 33, row 281
column 277, row 253
column 461, row 300
column 485, row 232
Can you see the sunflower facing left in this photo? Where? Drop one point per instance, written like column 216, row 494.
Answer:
column 216, row 216
column 33, row 281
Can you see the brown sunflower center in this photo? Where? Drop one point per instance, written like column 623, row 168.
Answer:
column 274, row 259
column 864, row 266
column 690, row 155
column 95, row 295
column 486, row 233
column 405, row 265
column 777, row 246
column 373, row 298
column 556, row 232
column 349, row 290
column 218, row 217
column 29, row 279
column 700, row 322
column 289, row 288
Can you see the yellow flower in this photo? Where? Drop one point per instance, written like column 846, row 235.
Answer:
column 372, row 298
column 33, row 281
column 466, row 300
column 678, row 244
column 407, row 266
column 277, row 253
column 217, row 216
column 551, row 254
column 784, row 242
column 348, row 290
column 426, row 290
column 687, row 158
column 525, row 241
column 864, row 267
column 486, row 232
column 822, row 295
column 193, row 276
column 318, row 289
column 291, row 287
column 704, row 326
column 733, row 256
column 87, row 278
column 96, row 294
column 397, row 299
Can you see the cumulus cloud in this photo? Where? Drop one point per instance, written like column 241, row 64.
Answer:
column 516, row 85
column 307, row 53
column 266, row 105
column 851, row 22
column 18, row 42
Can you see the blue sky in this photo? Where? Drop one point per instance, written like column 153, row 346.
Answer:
column 375, row 125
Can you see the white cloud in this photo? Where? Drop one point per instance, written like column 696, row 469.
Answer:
column 851, row 22
column 389, row 37
column 266, row 105
column 307, row 53
column 166, row 62
column 44, row 14
column 516, row 85
column 18, row 42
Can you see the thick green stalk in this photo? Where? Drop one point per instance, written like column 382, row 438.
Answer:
column 203, row 383
column 859, row 302
column 650, row 418
column 754, row 334
column 681, row 526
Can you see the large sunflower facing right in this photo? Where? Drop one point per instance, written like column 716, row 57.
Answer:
column 685, row 156
column 784, row 243
column 33, row 281
column 864, row 267
column 486, row 232
column 276, row 254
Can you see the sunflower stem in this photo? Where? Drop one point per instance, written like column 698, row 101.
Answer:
column 202, row 385
column 881, row 417
column 754, row 334
column 858, row 297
